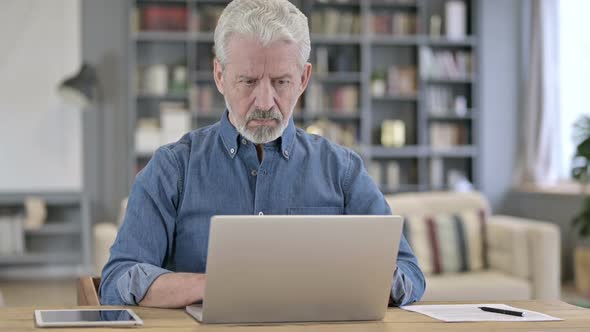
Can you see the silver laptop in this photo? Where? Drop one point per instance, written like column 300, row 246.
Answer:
column 265, row 269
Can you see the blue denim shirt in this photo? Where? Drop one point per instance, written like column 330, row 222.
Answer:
column 213, row 171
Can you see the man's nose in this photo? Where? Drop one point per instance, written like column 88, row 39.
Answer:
column 264, row 95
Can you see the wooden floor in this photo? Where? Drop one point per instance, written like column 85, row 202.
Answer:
column 63, row 293
column 38, row 293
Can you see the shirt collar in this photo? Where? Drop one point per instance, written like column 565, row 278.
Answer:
column 230, row 137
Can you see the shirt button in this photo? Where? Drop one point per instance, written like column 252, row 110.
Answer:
column 254, row 173
column 232, row 150
column 286, row 153
column 244, row 141
column 260, row 213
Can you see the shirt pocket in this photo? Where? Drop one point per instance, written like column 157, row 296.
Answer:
column 313, row 210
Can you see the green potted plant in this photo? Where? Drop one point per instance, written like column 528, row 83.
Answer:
column 581, row 222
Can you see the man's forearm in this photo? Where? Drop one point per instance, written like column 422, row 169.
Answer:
column 175, row 290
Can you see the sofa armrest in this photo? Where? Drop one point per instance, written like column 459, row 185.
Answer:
column 105, row 234
column 528, row 249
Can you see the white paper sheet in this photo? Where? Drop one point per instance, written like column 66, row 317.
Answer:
column 472, row 313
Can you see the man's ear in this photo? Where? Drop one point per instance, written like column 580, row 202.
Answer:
column 305, row 76
column 218, row 75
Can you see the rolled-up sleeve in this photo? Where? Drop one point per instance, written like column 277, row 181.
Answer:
column 362, row 196
column 144, row 242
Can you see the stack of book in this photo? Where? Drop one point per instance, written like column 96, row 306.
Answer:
column 205, row 19
column 396, row 81
column 345, row 99
column 396, row 24
column 446, row 135
column 344, row 135
column 175, row 121
column 443, row 101
column 150, row 134
column 332, row 21
column 161, row 79
column 446, row 64
column 402, row 81
column 336, row 59
column 439, row 100
column 156, row 17
column 202, row 99
column 437, row 174
column 12, row 240
column 341, row 99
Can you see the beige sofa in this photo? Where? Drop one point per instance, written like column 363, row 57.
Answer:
column 523, row 255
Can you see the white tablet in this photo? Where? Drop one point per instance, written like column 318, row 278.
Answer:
column 86, row 317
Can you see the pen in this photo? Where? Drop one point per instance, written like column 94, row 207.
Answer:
column 503, row 311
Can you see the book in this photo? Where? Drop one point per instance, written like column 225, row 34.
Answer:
column 18, row 235
column 317, row 22
column 208, row 17
column 374, row 171
column 147, row 136
column 314, row 101
column 345, row 99
column 332, row 21
column 202, row 99
column 402, row 81
column 5, row 235
column 445, row 135
column 436, row 173
column 322, row 60
column 345, row 135
column 175, row 121
column 396, row 24
column 445, row 64
column 11, row 232
column 156, row 17
column 392, row 172
column 439, row 100
column 393, row 133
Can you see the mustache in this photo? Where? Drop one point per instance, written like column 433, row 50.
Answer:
column 259, row 114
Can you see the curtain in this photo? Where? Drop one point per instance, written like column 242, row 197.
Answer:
column 539, row 151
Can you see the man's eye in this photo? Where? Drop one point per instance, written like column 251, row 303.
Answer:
column 249, row 82
column 283, row 82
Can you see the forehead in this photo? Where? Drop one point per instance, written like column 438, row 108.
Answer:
column 247, row 55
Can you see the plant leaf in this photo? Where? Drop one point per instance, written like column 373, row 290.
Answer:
column 583, row 148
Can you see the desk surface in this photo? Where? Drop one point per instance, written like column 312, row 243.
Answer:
column 575, row 319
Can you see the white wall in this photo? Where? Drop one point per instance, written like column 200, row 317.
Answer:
column 499, row 95
column 39, row 135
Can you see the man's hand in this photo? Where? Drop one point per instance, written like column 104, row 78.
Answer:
column 175, row 290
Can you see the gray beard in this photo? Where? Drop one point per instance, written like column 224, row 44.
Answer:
column 261, row 134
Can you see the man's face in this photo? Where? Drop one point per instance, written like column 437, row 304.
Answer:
column 261, row 86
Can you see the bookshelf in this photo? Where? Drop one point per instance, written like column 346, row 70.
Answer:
column 388, row 82
column 60, row 248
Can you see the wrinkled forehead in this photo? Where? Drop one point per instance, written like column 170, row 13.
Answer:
column 248, row 56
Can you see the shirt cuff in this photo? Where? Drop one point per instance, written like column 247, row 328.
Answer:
column 401, row 291
column 134, row 284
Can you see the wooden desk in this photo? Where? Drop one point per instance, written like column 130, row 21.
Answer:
column 155, row 320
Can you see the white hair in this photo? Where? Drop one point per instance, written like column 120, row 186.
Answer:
column 266, row 20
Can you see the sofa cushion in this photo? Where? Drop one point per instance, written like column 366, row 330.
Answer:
column 436, row 202
column 476, row 286
column 448, row 242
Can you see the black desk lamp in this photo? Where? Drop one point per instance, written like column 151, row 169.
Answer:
column 82, row 88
